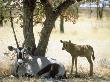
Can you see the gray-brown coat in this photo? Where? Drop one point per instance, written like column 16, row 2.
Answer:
column 79, row 50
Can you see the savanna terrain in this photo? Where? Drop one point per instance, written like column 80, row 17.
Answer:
column 87, row 30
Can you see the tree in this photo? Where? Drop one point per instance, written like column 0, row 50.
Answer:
column 51, row 15
column 100, row 10
column 71, row 13
column 28, row 10
column 100, row 7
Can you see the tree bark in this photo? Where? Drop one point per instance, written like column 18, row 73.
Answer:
column 1, row 23
column 61, row 24
column 98, row 10
column 1, row 17
column 44, row 38
column 28, row 9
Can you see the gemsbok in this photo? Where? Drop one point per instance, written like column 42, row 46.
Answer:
column 79, row 50
column 28, row 65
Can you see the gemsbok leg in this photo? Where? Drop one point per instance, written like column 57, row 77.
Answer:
column 91, row 65
column 76, row 65
column 72, row 65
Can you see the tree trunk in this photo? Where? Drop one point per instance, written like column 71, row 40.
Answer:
column 44, row 38
column 97, row 10
column 1, row 17
column 61, row 24
column 101, row 12
column 1, row 23
column 28, row 9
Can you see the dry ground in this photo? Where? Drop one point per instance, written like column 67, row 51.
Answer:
column 86, row 31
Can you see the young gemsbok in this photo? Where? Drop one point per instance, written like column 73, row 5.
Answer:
column 79, row 50
column 28, row 65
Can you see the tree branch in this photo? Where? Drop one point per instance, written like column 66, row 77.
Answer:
column 47, row 7
column 63, row 6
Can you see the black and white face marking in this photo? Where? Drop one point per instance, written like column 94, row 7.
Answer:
column 21, row 54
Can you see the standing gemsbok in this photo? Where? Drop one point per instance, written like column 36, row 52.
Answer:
column 79, row 50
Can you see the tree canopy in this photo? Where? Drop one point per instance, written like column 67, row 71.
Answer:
column 38, row 9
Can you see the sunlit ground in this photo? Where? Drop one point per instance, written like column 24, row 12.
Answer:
column 87, row 30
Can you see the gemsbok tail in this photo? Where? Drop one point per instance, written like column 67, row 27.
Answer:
column 93, row 57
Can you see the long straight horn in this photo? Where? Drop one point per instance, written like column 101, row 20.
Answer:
column 11, row 20
column 61, row 41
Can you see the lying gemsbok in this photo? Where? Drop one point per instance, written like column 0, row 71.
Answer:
column 28, row 65
column 79, row 50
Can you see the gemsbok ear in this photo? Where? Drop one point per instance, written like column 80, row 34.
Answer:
column 10, row 48
column 61, row 41
column 69, row 41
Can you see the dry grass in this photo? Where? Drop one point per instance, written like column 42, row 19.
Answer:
column 86, row 31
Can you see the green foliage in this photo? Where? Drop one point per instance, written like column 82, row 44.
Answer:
column 1, row 3
column 56, row 3
column 3, row 11
column 38, row 14
column 16, row 7
column 5, row 7
column 71, row 14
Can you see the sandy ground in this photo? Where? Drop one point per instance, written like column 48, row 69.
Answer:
column 85, row 31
